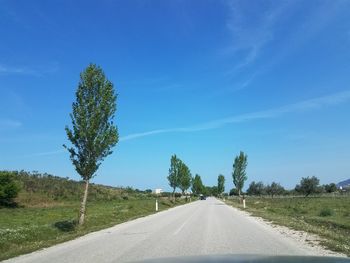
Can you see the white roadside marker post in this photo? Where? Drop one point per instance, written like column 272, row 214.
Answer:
column 156, row 205
column 244, row 203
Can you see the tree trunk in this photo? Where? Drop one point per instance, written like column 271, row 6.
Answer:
column 174, row 195
column 183, row 194
column 83, row 204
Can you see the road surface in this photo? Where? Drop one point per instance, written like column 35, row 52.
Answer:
column 205, row 227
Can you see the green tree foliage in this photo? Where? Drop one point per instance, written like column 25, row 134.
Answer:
column 197, row 185
column 214, row 190
column 274, row 189
column 9, row 188
column 184, row 177
column 256, row 188
column 308, row 185
column 221, row 184
column 93, row 132
column 239, row 173
column 210, row 190
column 233, row 192
column 173, row 176
column 330, row 188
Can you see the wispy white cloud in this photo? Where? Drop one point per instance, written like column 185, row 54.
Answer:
column 9, row 124
column 5, row 69
column 143, row 134
column 263, row 33
column 244, row 84
column 251, row 32
column 17, row 70
column 302, row 106
column 44, row 153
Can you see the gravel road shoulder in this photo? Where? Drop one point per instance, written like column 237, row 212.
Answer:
column 304, row 239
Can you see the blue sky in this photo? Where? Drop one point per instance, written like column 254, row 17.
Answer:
column 202, row 79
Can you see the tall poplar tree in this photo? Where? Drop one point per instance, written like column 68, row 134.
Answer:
column 184, row 177
column 173, row 176
column 93, row 133
column 197, row 185
column 221, row 184
column 239, row 175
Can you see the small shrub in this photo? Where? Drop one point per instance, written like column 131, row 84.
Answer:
column 326, row 212
column 178, row 195
column 66, row 225
column 8, row 189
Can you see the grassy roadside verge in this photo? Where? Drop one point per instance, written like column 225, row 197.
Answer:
column 328, row 217
column 23, row 230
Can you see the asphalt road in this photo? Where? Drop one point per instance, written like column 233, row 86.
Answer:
column 200, row 228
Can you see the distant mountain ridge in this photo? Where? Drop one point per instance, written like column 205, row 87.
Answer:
column 343, row 184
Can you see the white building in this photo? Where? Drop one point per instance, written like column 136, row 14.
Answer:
column 158, row 191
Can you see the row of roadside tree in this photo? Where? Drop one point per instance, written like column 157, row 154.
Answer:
column 180, row 177
column 306, row 187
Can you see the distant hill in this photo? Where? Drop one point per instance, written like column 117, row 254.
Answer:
column 344, row 184
column 37, row 188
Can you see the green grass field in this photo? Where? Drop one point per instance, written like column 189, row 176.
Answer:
column 46, row 209
column 26, row 229
column 328, row 217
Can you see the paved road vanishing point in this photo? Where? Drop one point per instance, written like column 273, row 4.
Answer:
column 199, row 228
